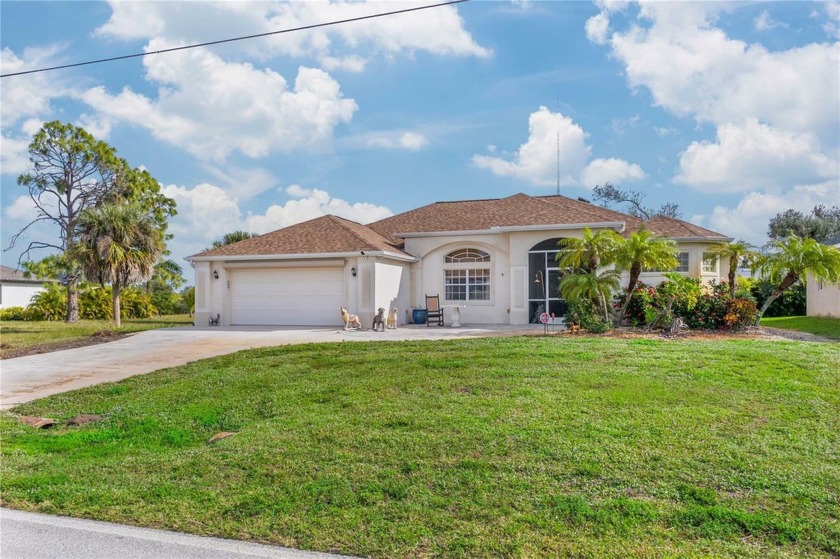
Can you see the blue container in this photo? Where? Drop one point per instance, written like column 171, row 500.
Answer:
column 419, row 316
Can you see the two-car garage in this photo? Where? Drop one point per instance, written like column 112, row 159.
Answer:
column 286, row 296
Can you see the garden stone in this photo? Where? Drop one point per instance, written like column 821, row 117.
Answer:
column 83, row 419
column 37, row 422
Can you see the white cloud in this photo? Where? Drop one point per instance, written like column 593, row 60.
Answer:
column 309, row 204
column 611, row 170
column 437, row 30
column 411, row 141
column 22, row 209
column 243, row 184
column 760, row 156
column 832, row 23
column 597, row 28
column 776, row 112
column 765, row 22
column 536, row 161
column 664, row 131
column 14, row 154
column 750, row 218
column 29, row 95
column 211, row 107
column 206, row 212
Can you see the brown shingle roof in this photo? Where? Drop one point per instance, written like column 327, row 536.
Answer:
column 334, row 234
column 328, row 233
column 678, row 229
column 10, row 274
column 477, row 215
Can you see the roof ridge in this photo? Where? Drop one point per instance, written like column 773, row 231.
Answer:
column 340, row 220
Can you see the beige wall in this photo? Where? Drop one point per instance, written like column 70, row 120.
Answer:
column 822, row 298
column 427, row 275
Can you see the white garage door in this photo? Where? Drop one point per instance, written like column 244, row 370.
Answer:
column 291, row 297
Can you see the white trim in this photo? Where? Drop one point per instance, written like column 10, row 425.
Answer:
column 496, row 229
column 701, row 239
column 308, row 255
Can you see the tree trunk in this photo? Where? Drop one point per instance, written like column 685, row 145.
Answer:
column 72, row 301
column 635, row 271
column 788, row 281
column 604, row 308
column 733, row 268
column 115, row 293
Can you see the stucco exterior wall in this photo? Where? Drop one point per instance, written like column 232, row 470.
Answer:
column 428, row 275
column 13, row 294
column 392, row 288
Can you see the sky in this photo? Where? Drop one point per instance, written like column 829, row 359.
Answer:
column 729, row 109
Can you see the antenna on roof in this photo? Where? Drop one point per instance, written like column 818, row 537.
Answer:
column 558, row 148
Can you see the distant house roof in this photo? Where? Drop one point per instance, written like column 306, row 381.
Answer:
column 833, row 241
column 332, row 234
column 11, row 275
column 326, row 234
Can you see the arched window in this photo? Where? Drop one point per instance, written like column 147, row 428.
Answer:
column 466, row 275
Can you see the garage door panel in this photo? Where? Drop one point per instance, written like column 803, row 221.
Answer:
column 301, row 296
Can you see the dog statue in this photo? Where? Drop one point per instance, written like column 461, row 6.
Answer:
column 391, row 323
column 215, row 321
column 574, row 329
column 379, row 320
column 350, row 320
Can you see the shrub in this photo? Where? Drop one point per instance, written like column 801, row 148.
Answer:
column 14, row 313
column 49, row 304
column 95, row 303
column 584, row 313
column 790, row 303
column 135, row 303
column 641, row 307
column 740, row 312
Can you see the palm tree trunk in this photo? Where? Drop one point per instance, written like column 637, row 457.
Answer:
column 72, row 301
column 788, row 281
column 733, row 268
column 115, row 294
column 635, row 272
column 605, row 309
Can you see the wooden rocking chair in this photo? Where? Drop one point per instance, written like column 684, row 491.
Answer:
column 433, row 310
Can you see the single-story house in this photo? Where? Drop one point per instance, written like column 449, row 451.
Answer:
column 17, row 290
column 494, row 258
column 823, row 298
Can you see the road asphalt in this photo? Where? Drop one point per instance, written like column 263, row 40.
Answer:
column 28, row 378
column 27, row 535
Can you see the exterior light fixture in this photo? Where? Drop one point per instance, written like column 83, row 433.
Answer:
column 215, row 274
column 353, row 271
column 538, row 277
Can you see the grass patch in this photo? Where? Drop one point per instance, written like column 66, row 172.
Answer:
column 817, row 325
column 528, row 447
column 44, row 336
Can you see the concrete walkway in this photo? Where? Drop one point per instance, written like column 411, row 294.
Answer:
column 24, row 379
column 31, row 535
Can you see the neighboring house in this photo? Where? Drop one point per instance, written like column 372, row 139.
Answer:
column 16, row 290
column 494, row 257
column 823, row 299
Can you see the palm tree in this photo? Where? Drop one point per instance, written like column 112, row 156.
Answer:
column 590, row 251
column 597, row 287
column 232, row 237
column 119, row 244
column 642, row 249
column 791, row 260
column 736, row 252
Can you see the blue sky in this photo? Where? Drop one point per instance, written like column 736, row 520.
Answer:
column 731, row 110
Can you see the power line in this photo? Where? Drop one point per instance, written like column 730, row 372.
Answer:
column 219, row 42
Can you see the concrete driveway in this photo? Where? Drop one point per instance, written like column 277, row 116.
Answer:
column 28, row 378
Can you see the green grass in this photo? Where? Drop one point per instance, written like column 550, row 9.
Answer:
column 17, row 335
column 820, row 326
column 497, row 447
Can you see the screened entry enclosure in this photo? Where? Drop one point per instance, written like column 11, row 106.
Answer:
column 544, row 286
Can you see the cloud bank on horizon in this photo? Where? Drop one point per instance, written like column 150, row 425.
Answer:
column 729, row 110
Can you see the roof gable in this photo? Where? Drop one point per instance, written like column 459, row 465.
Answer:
column 325, row 234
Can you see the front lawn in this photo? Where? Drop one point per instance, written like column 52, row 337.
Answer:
column 818, row 325
column 22, row 337
column 496, row 447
